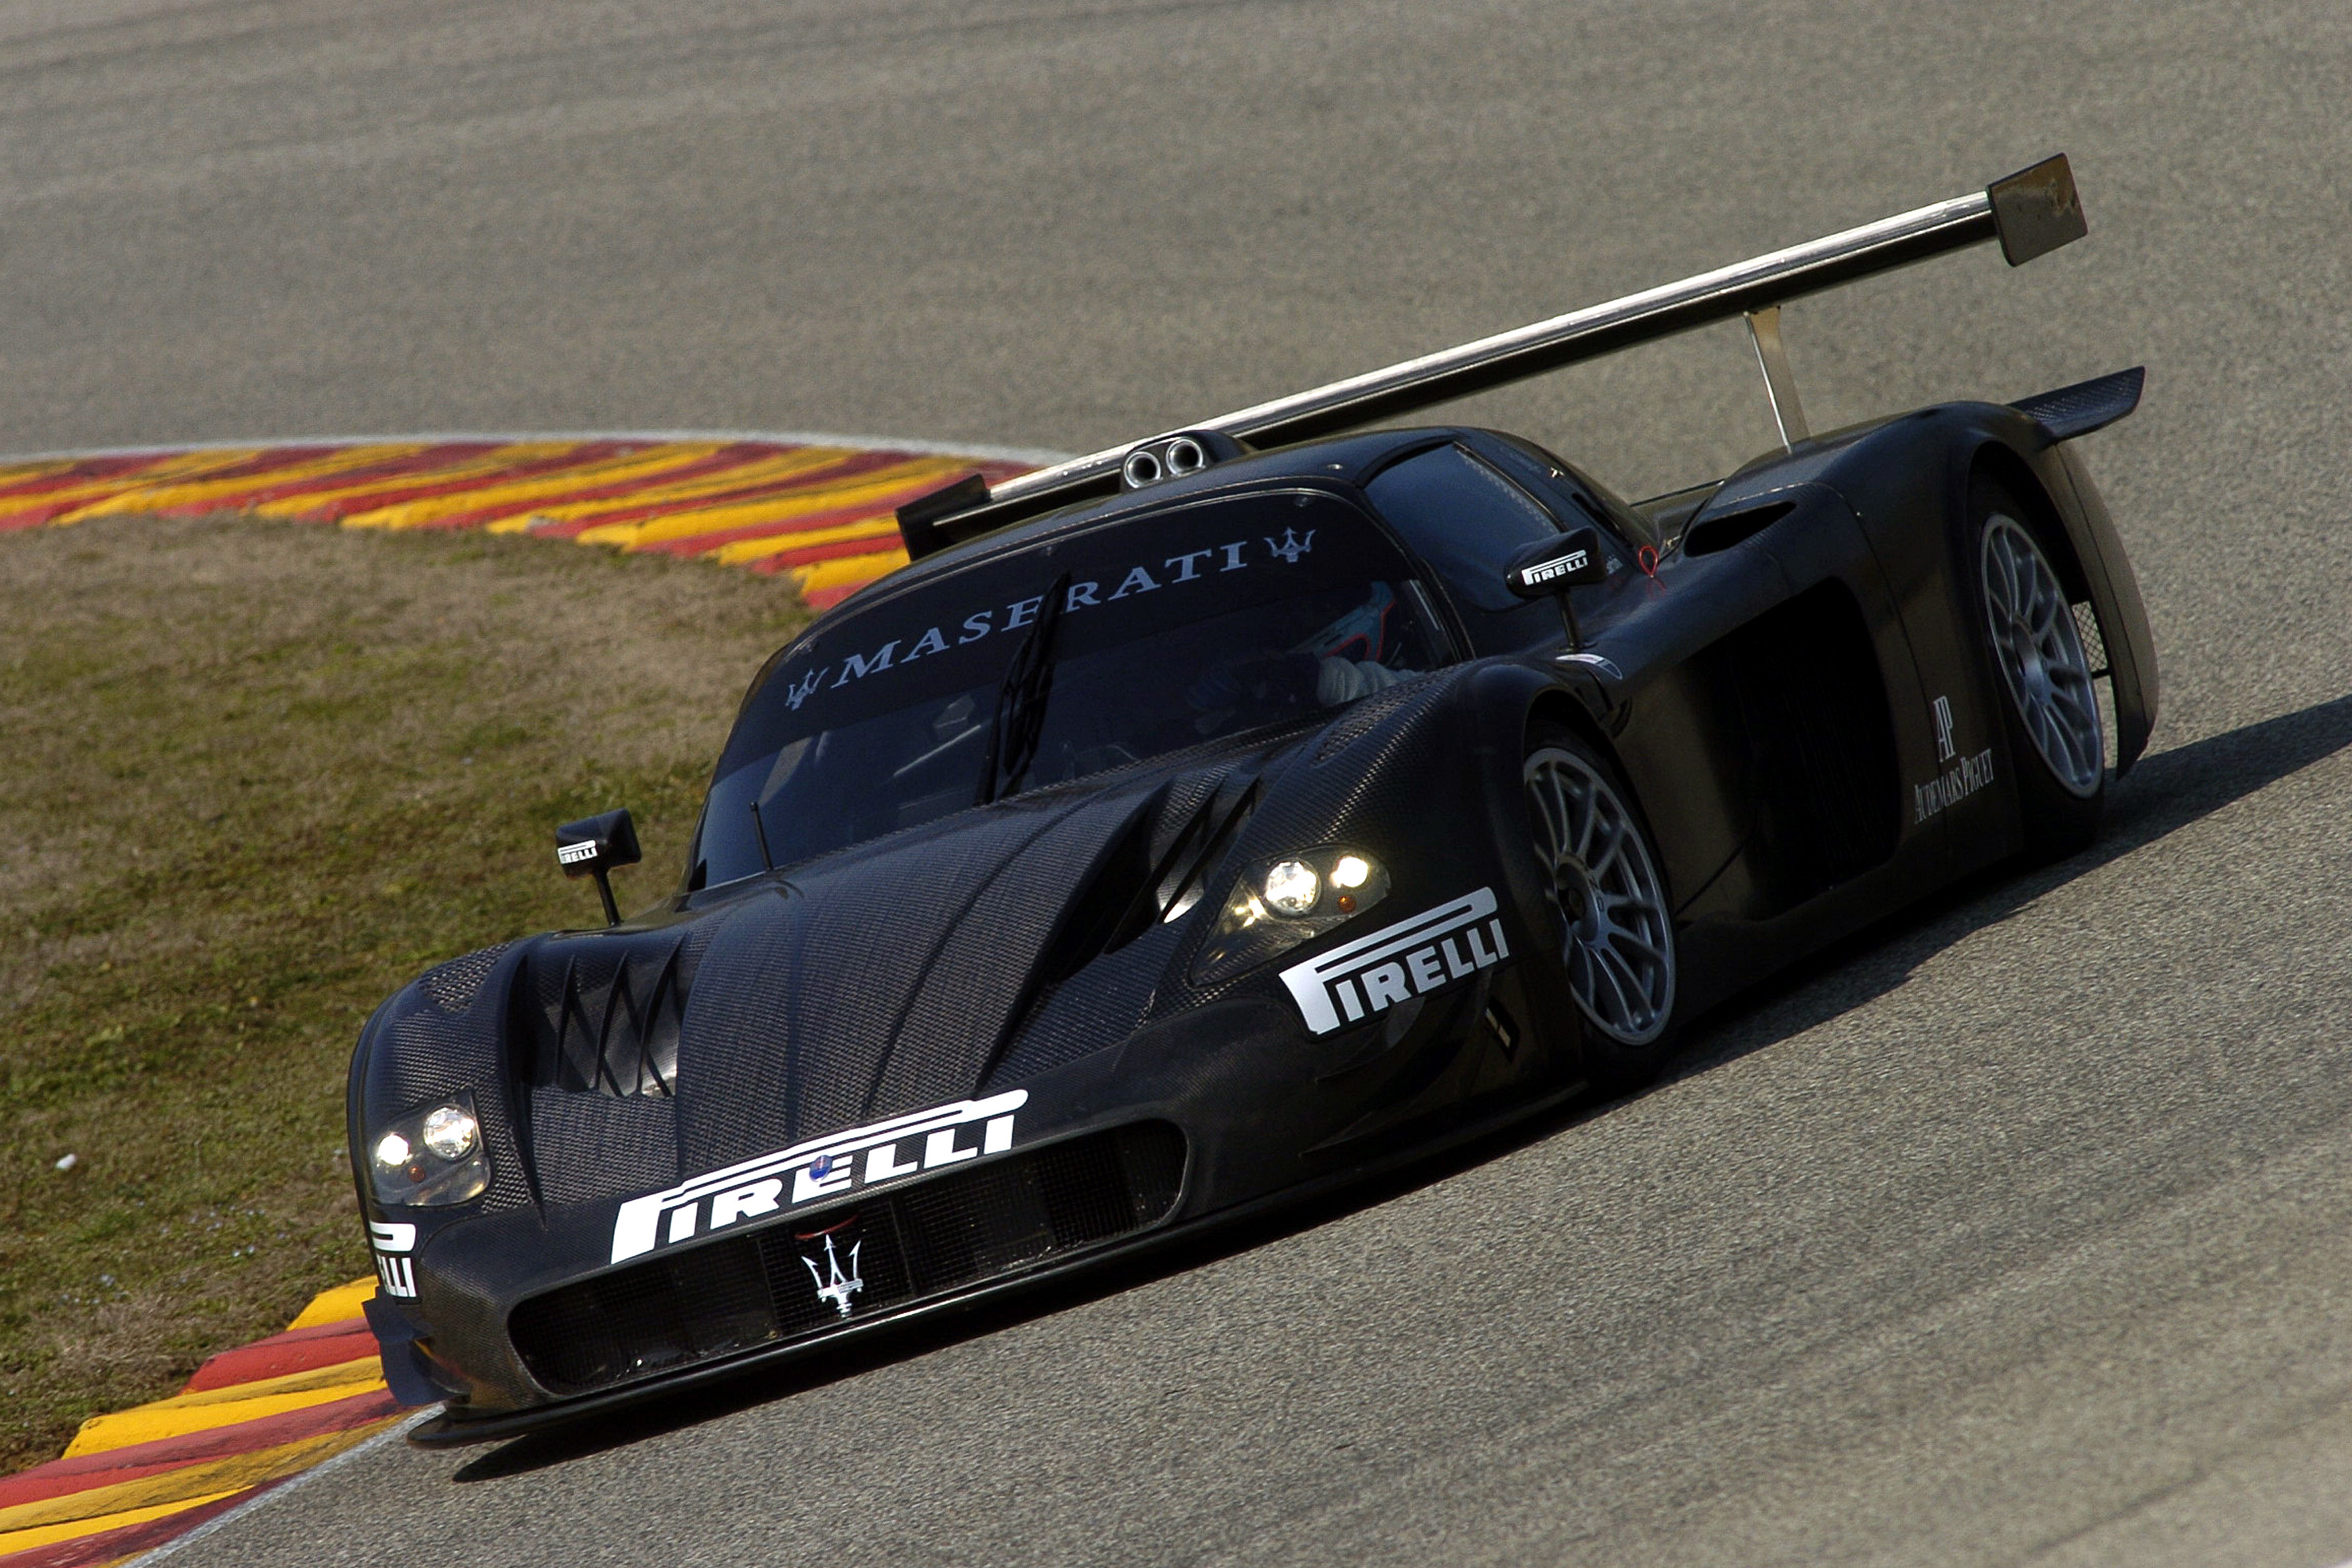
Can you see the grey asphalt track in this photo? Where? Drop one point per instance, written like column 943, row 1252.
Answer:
column 2022, row 1232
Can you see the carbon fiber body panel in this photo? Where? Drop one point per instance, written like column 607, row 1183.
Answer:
column 863, row 1031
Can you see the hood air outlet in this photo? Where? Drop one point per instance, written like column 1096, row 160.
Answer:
column 612, row 1023
column 1133, row 888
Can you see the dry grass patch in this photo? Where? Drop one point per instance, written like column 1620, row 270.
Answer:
column 256, row 776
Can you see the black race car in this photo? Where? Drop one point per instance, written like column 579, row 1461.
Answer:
column 1212, row 821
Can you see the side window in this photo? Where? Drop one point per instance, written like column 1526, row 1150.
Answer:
column 1466, row 521
column 1550, row 475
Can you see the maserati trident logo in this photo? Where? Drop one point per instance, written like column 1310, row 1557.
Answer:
column 1292, row 547
column 832, row 1285
column 800, row 691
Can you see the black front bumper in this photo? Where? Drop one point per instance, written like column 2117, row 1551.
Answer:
column 1132, row 1154
column 458, row 1426
column 757, row 1298
column 811, row 1271
column 522, row 1319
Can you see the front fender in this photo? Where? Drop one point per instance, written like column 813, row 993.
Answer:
column 442, row 1035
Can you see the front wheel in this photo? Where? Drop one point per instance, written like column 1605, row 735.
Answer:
column 1615, row 926
column 2051, row 712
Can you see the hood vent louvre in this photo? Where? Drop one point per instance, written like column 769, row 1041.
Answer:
column 1156, row 871
column 1183, row 874
column 610, row 1023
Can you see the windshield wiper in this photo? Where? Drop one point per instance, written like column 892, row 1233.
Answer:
column 1020, row 717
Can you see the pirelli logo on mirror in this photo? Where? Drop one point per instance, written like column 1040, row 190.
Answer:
column 1545, row 571
column 1409, row 958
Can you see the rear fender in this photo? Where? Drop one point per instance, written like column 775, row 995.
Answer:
column 2025, row 452
column 1888, row 486
column 2114, row 596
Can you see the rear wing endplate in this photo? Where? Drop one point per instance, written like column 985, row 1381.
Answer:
column 2030, row 214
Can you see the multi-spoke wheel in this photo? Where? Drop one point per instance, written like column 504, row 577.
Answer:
column 2057, row 746
column 2040, row 656
column 1617, row 936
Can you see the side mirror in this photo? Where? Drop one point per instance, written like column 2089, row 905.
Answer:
column 1554, row 565
column 1547, row 568
column 593, row 846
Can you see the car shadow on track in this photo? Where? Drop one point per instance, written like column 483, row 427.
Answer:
column 2166, row 792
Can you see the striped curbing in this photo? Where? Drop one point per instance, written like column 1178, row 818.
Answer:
column 816, row 510
column 250, row 1420
column 819, row 511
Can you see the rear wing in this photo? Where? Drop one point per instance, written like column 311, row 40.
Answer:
column 2030, row 214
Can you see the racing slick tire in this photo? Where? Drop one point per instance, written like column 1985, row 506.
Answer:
column 1614, row 950
column 2049, row 701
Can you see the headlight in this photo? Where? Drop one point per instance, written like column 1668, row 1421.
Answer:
column 451, row 1132
column 431, row 1156
column 1292, row 888
column 1276, row 905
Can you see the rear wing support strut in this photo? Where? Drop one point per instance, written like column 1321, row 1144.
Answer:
column 2030, row 214
column 1780, row 381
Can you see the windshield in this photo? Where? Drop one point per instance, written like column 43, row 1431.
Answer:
column 1175, row 628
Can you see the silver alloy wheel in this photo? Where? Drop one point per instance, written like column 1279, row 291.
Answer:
column 1618, row 937
column 2039, row 653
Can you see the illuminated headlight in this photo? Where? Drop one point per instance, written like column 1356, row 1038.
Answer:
column 431, row 1156
column 1292, row 888
column 451, row 1132
column 1276, row 905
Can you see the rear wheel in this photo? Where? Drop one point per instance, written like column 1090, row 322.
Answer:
column 2051, row 708
column 1614, row 928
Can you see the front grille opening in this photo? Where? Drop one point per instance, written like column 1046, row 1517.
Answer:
column 767, row 1285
